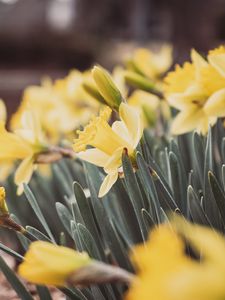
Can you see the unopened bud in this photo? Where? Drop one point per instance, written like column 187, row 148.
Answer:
column 107, row 87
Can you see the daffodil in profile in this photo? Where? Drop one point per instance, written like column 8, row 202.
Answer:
column 197, row 91
column 23, row 145
column 48, row 264
column 152, row 64
column 167, row 271
column 108, row 142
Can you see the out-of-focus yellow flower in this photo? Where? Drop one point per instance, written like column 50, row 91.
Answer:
column 166, row 272
column 3, row 112
column 3, row 206
column 151, row 64
column 23, row 145
column 197, row 90
column 65, row 104
column 147, row 104
column 48, row 264
column 109, row 142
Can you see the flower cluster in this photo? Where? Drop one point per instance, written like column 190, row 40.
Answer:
column 120, row 126
column 197, row 91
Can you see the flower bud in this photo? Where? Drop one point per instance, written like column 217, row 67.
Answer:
column 107, row 87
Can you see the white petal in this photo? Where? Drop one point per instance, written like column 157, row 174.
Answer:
column 24, row 172
column 94, row 156
column 187, row 120
column 114, row 162
column 215, row 105
column 108, row 182
column 133, row 121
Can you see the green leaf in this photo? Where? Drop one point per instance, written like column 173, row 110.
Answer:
column 196, row 211
column 37, row 211
column 11, row 252
column 64, row 215
column 43, row 292
column 14, row 281
column 37, row 234
column 219, row 195
column 133, row 191
column 87, row 216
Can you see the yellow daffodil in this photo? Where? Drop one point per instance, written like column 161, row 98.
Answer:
column 23, row 145
column 65, row 104
column 3, row 112
column 108, row 142
column 45, row 263
column 167, row 272
column 197, row 90
column 152, row 64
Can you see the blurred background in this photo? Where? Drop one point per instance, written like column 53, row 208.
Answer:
column 49, row 37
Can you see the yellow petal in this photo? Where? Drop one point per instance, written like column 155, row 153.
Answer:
column 218, row 62
column 199, row 62
column 133, row 121
column 46, row 263
column 24, row 172
column 120, row 128
column 215, row 105
column 187, row 120
column 108, row 182
column 12, row 147
column 3, row 112
column 94, row 156
column 114, row 162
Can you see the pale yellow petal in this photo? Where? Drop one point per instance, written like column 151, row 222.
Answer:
column 215, row 105
column 187, row 120
column 218, row 62
column 133, row 121
column 24, row 171
column 114, row 162
column 120, row 128
column 12, row 146
column 50, row 264
column 108, row 182
column 199, row 62
column 94, row 156
column 3, row 112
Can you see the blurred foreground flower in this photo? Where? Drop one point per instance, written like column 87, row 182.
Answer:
column 167, row 272
column 49, row 264
column 25, row 144
column 46, row 263
column 64, row 102
column 197, row 90
column 109, row 142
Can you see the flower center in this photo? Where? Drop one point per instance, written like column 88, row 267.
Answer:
column 100, row 135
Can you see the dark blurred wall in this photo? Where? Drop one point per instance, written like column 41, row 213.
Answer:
column 39, row 37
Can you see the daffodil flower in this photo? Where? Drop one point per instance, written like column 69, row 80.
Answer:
column 152, row 64
column 197, row 90
column 108, row 142
column 23, row 145
column 45, row 263
column 48, row 264
column 165, row 271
